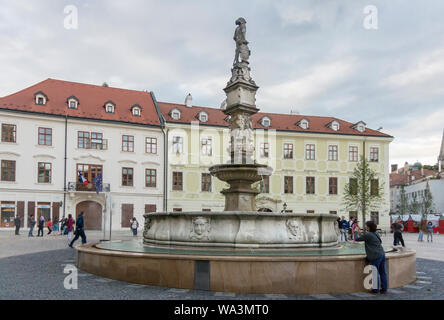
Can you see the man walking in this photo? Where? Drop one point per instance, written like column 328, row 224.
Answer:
column 397, row 233
column 79, row 230
column 41, row 226
column 344, row 227
column 31, row 225
column 430, row 231
column 17, row 223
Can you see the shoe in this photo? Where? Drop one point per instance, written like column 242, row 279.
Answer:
column 375, row 291
column 70, row 246
column 383, row 292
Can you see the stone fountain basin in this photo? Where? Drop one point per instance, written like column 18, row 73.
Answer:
column 244, row 172
column 240, row 229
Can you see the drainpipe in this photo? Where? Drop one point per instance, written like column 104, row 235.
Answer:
column 64, row 177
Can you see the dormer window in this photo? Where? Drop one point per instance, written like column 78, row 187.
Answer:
column 175, row 114
column 360, row 126
column 73, row 102
column 303, row 124
column 40, row 98
column 109, row 107
column 334, row 125
column 137, row 110
column 203, row 116
column 266, row 121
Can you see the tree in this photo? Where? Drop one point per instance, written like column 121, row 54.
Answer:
column 403, row 202
column 105, row 84
column 363, row 192
column 426, row 204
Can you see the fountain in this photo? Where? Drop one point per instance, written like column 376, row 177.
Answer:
column 240, row 249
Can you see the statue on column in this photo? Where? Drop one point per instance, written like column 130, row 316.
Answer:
column 240, row 70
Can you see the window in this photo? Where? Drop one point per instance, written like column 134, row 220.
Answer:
column 127, row 177
column 310, row 211
column 206, row 182
column 332, row 185
column 45, row 136
column 175, row 115
column 206, row 146
column 333, row 153
column 353, row 186
column 40, row 98
column 206, row 210
column 310, row 185
column 335, row 125
column 203, row 116
column 177, row 144
column 72, row 104
column 89, row 171
column 353, row 214
column 83, row 139
column 136, row 111
column 109, row 107
column 333, row 212
column 374, row 216
column 128, row 143
column 374, row 187
column 310, row 152
column 8, row 170
column 151, row 145
column 264, row 150
column 44, row 209
column 44, row 172
column 288, row 151
column 177, row 209
column 150, row 178
column 177, row 181
column 265, row 184
column 303, row 124
column 96, row 140
column 9, row 132
column 7, row 214
column 288, row 184
column 266, row 122
column 352, row 153
column 374, row 154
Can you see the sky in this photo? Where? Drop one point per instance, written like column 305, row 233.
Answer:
column 309, row 56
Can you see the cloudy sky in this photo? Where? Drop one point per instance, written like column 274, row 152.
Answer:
column 312, row 57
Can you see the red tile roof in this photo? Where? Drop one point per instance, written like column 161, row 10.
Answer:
column 92, row 99
column 282, row 122
column 398, row 179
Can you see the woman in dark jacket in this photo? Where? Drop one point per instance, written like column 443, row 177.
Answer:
column 375, row 253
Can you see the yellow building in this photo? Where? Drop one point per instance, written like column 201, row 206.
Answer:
column 312, row 157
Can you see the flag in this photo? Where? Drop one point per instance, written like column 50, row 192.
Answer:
column 98, row 183
column 82, row 179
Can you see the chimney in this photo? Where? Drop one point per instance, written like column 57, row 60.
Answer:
column 422, row 172
column 189, row 100
column 394, row 167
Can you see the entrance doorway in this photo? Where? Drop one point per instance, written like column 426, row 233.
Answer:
column 92, row 214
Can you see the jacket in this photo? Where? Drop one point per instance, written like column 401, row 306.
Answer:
column 373, row 245
column 41, row 223
column 344, row 224
column 79, row 223
column 69, row 224
column 17, row 222
column 32, row 222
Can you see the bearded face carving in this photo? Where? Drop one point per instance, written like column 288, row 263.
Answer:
column 200, row 228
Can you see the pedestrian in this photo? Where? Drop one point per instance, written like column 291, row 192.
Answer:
column 31, row 223
column 430, row 231
column 41, row 225
column 375, row 254
column 69, row 226
column 350, row 228
column 421, row 230
column 344, row 227
column 49, row 225
column 79, row 230
column 355, row 230
column 397, row 233
column 134, row 225
column 17, row 223
column 62, row 225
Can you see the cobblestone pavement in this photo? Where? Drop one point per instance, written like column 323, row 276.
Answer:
column 39, row 275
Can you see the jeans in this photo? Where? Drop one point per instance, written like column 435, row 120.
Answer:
column 134, row 232
column 79, row 233
column 343, row 234
column 40, row 232
column 49, row 230
column 380, row 265
column 397, row 237
column 430, row 234
column 421, row 233
column 17, row 228
column 31, row 228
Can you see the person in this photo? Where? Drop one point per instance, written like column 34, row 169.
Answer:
column 79, row 230
column 344, row 227
column 421, row 228
column 49, row 225
column 134, row 225
column 430, row 231
column 62, row 225
column 397, row 233
column 350, row 228
column 338, row 228
column 55, row 226
column 17, row 223
column 41, row 225
column 355, row 230
column 375, row 254
column 31, row 225
column 69, row 226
